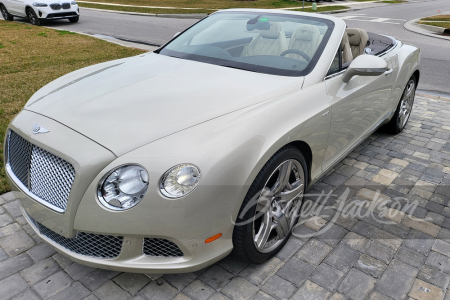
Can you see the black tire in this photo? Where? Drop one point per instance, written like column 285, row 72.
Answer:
column 74, row 19
column 33, row 18
column 243, row 235
column 396, row 124
column 6, row 15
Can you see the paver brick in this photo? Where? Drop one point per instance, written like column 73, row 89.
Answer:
column 198, row 290
column 97, row 278
column 157, row 290
column 279, row 287
column 131, row 282
column 16, row 243
column 379, row 251
column 295, row 271
column 396, row 272
column 342, row 257
column 180, row 281
column 434, row 276
column 424, row 291
column 52, row 285
column 216, row 277
column 438, row 261
column 239, row 289
column 326, row 276
column 40, row 271
column 314, row 252
column 75, row 292
column 11, row 286
column 357, row 285
column 14, row 264
column 370, row 266
column 310, row 290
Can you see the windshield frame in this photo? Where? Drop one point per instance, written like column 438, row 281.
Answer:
column 252, row 67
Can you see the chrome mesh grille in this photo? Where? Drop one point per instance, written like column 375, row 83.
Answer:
column 161, row 247
column 19, row 155
column 88, row 244
column 65, row 5
column 47, row 176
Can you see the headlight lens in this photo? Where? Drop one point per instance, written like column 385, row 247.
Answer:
column 123, row 187
column 37, row 4
column 179, row 181
column 74, row 3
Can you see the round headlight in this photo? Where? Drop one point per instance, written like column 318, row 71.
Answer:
column 123, row 187
column 179, row 181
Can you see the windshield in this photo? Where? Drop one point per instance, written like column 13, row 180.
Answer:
column 278, row 44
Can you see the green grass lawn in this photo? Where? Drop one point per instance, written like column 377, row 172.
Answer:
column 437, row 18
column 323, row 8
column 147, row 10
column 393, row 1
column 208, row 4
column 31, row 57
column 437, row 24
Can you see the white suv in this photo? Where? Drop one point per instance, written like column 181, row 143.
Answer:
column 38, row 11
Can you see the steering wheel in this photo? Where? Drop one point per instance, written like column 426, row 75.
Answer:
column 295, row 51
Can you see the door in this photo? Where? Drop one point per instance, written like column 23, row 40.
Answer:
column 357, row 107
column 16, row 7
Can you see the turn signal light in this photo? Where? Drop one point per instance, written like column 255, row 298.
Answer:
column 213, row 238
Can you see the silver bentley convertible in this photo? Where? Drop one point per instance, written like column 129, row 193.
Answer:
column 167, row 161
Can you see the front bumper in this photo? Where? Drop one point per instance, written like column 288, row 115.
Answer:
column 197, row 254
column 50, row 14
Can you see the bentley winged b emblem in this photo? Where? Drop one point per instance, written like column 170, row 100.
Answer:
column 39, row 129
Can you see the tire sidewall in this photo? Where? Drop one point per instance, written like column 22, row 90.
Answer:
column 257, row 186
column 398, row 128
column 38, row 23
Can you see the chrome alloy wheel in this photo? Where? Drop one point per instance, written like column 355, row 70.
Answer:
column 4, row 12
column 278, row 206
column 32, row 17
column 407, row 103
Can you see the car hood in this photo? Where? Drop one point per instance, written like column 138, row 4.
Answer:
column 127, row 103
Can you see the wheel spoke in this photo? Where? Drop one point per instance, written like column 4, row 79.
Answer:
column 283, row 177
column 291, row 194
column 282, row 222
column 264, row 231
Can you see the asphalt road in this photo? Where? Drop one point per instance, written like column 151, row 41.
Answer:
column 387, row 20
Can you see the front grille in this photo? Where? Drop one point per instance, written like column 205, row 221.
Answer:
column 45, row 175
column 89, row 244
column 55, row 6
column 65, row 5
column 161, row 247
column 61, row 15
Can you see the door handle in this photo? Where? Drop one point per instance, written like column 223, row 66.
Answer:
column 388, row 72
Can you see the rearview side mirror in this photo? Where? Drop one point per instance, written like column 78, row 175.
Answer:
column 365, row 65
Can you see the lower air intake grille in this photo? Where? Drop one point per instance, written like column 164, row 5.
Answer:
column 89, row 244
column 161, row 247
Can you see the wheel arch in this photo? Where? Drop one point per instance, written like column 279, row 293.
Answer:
column 305, row 149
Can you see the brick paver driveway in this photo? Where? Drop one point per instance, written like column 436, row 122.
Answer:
column 384, row 233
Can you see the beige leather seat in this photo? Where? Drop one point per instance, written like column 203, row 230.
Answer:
column 269, row 42
column 305, row 38
column 347, row 55
column 358, row 39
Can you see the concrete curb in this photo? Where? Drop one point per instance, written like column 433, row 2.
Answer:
column 428, row 30
column 196, row 16
column 175, row 16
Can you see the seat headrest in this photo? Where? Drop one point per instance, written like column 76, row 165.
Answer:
column 354, row 36
column 273, row 32
column 305, row 32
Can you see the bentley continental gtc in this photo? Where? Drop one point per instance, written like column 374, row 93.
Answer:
column 168, row 161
